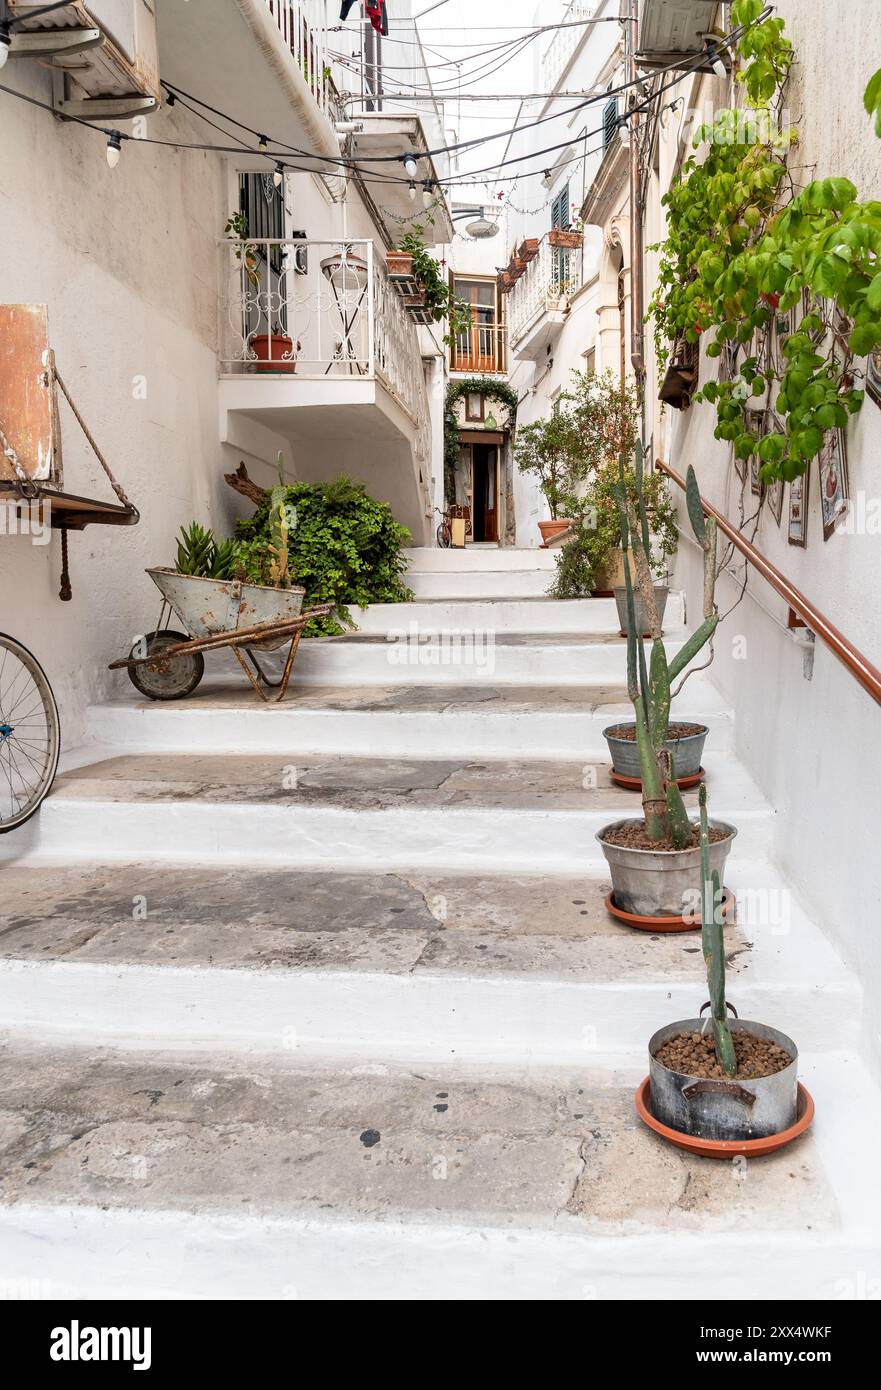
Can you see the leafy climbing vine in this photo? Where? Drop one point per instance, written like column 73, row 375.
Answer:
column 789, row 278
column 490, row 387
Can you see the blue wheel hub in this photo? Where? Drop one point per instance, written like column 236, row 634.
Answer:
column 5, row 730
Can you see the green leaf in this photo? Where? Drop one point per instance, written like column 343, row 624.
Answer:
column 873, row 295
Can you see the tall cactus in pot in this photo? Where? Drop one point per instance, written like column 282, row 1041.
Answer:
column 713, row 946
column 649, row 684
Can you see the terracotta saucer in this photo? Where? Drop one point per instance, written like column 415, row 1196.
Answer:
column 634, row 784
column 665, row 924
column 726, row 1148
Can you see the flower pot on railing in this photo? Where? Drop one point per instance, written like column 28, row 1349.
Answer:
column 273, row 352
column 528, row 249
column 399, row 265
column 505, row 281
column 565, row 241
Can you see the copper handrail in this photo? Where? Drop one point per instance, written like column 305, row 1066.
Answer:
column 859, row 666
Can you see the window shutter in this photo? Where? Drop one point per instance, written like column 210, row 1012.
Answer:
column 610, row 122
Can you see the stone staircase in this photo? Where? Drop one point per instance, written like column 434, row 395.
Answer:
column 320, row 1000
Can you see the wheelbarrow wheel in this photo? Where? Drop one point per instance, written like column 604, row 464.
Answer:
column 169, row 678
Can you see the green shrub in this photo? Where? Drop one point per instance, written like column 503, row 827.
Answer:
column 346, row 549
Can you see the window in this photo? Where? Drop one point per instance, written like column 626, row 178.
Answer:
column 263, row 205
column 473, row 406
column 480, row 347
column 610, row 122
column 561, row 212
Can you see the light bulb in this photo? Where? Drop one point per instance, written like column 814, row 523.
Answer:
column 719, row 68
column 410, row 166
column 427, row 195
column 114, row 149
column 278, row 176
column 262, row 143
column 5, row 42
column 412, row 192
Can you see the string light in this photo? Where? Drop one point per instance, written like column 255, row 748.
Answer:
column 278, row 176
column 5, row 43
column 263, row 142
column 411, row 190
column 114, row 148
column 427, row 193
column 410, row 166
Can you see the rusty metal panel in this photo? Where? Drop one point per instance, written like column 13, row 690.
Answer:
column 28, row 414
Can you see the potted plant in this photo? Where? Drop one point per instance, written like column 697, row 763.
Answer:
column 435, row 299
column 565, row 240
column 543, row 448
column 734, row 1083
column 274, row 351
column 528, row 249
column 399, row 264
column 654, row 860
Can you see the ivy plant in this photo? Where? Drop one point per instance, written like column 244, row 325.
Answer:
column 788, row 277
column 492, row 388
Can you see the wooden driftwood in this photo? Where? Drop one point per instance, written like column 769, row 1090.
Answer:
column 240, row 482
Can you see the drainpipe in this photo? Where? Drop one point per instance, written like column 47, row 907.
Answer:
column 637, row 335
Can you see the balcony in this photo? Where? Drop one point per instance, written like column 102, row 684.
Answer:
column 483, row 348
column 262, row 60
column 565, row 41
column 538, row 303
column 316, row 346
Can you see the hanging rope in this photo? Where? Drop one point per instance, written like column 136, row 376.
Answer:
column 97, row 452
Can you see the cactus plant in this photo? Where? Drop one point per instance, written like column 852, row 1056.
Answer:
column 714, row 947
column 649, row 684
column 282, row 519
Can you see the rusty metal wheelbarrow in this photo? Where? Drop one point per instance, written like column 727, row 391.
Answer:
column 168, row 665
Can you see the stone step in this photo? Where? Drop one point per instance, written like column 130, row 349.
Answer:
column 216, row 1176
column 530, row 616
column 363, row 812
column 394, row 720
column 481, row 584
column 417, row 656
column 477, row 560
column 413, row 968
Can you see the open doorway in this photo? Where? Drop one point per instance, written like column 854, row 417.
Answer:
column 485, row 492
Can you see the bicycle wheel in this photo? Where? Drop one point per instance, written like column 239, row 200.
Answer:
column 444, row 535
column 30, row 734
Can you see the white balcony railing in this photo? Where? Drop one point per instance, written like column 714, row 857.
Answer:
column 303, row 26
column 564, row 42
column 318, row 309
column 546, row 286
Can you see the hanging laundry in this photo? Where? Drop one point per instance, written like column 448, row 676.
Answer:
column 377, row 13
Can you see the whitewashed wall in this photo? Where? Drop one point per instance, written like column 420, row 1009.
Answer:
column 814, row 746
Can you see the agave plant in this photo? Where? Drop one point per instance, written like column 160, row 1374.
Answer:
column 649, row 684
column 199, row 553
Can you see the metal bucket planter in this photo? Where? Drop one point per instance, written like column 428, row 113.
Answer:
column 660, row 883
column 718, row 1109
column 686, row 752
column 642, row 624
column 207, row 607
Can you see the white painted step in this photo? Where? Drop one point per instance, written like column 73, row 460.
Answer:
column 514, row 970
column 198, row 1178
column 195, row 1178
column 415, row 720
column 480, row 584
column 416, row 656
column 362, row 812
column 476, row 560
column 581, row 617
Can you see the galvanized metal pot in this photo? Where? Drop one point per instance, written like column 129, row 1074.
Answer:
column 715, row 1108
column 660, row 883
column 642, row 625
column 686, row 752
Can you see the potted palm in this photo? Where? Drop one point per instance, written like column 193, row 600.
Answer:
column 654, row 860
column 722, row 1086
column 543, row 449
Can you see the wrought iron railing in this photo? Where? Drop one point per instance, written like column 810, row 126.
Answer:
column 548, row 281
column 564, row 42
column 317, row 309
